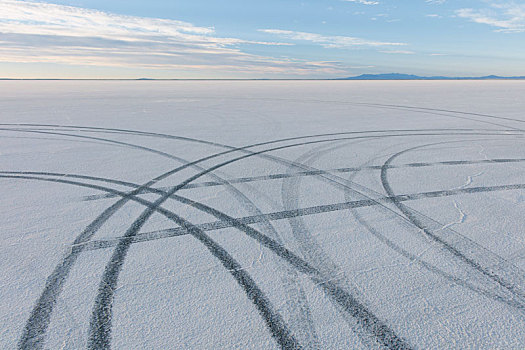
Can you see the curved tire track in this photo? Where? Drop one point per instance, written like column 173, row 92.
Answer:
column 275, row 323
column 419, row 221
column 350, row 304
column 101, row 316
column 39, row 329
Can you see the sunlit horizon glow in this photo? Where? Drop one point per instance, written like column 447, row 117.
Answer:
column 311, row 39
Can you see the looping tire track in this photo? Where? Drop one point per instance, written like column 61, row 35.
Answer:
column 316, row 141
column 275, row 323
column 101, row 316
column 36, row 326
column 307, row 243
column 349, row 303
column 334, row 180
column 102, row 311
column 415, row 258
column 38, row 322
column 281, row 176
column 417, row 221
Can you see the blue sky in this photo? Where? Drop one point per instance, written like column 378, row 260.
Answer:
column 260, row 39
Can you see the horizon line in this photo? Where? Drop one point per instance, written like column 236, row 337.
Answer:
column 366, row 76
column 262, row 79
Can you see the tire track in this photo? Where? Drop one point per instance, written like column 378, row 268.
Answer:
column 54, row 286
column 281, row 176
column 38, row 322
column 273, row 216
column 308, row 245
column 100, row 324
column 418, row 221
column 36, row 326
column 448, row 111
column 435, row 111
column 29, row 337
column 515, row 272
column 108, row 292
column 273, row 320
column 351, row 305
column 334, row 180
column 183, row 138
column 101, row 316
column 347, row 301
column 417, row 259
column 311, row 249
column 298, row 307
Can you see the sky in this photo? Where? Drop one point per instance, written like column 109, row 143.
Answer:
column 260, row 39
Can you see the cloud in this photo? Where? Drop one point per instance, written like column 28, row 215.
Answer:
column 364, row 2
column 328, row 41
column 37, row 32
column 506, row 16
column 399, row 52
column 23, row 17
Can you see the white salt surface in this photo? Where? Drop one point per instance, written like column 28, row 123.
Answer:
column 355, row 215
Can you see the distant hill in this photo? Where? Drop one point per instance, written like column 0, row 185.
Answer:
column 399, row 76
column 388, row 76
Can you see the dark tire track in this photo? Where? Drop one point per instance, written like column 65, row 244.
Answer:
column 100, row 324
column 274, row 322
column 101, row 317
column 310, row 249
column 254, row 219
column 42, row 329
column 329, row 171
column 122, row 251
column 458, row 112
column 334, row 180
column 461, row 254
column 415, row 258
column 348, row 302
column 38, row 322
column 351, row 305
column 297, row 306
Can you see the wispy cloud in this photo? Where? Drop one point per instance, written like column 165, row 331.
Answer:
column 398, row 52
column 505, row 16
column 41, row 32
column 363, row 2
column 22, row 17
column 335, row 41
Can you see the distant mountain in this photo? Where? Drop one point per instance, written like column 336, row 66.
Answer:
column 388, row 76
column 399, row 76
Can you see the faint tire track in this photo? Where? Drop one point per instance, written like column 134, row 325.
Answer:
column 273, row 320
column 101, row 317
column 415, row 258
column 308, row 245
column 500, row 277
column 369, row 321
column 251, row 154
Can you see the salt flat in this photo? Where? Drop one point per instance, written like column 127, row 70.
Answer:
column 262, row 214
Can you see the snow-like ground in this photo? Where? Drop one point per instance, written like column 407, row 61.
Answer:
column 259, row 215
